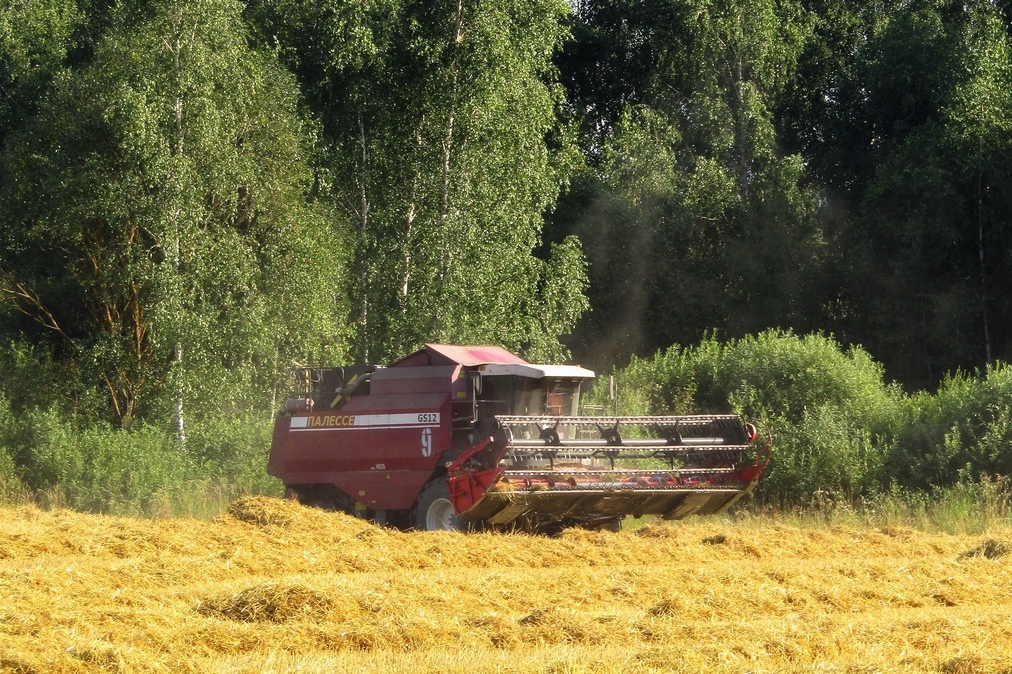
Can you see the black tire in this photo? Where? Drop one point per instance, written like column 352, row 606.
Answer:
column 434, row 510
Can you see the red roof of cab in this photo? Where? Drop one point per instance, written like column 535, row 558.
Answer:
column 445, row 354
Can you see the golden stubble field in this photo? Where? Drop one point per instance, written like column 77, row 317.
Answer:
column 276, row 587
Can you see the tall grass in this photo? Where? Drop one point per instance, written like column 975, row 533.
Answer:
column 198, row 499
column 53, row 462
column 965, row 508
column 13, row 491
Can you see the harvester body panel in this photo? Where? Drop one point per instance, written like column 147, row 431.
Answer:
column 379, row 449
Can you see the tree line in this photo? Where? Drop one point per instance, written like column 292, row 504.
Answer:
column 195, row 195
column 816, row 165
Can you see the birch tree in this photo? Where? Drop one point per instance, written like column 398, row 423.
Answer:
column 165, row 184
column 445, row 152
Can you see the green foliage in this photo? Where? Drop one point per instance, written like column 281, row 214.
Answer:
column 444, row 149
column 195, row 194
column 35, row 37
column 964, row 508
column 824, row 453
column 97, row 468
column 830, row 414
column 838, row 429
column 701, row 222
column 819, row 166
column 631, row 197
column 560, row 301
column 139, row 471
column 233, row 446
column 963, row 431
column 8, row 429
column 773, row 373
column 32, row 376
column 168, row 241
column 929, row 130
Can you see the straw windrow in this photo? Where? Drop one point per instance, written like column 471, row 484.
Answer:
column 271, row 586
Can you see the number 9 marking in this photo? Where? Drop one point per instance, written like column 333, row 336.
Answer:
column 426, row 442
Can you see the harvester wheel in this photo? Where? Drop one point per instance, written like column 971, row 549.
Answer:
column 434, row 511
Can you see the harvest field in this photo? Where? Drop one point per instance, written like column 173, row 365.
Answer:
column 276, row 587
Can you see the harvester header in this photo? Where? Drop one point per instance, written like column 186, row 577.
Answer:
column 476, row 437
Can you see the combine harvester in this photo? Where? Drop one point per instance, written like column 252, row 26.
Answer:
column 462, row 437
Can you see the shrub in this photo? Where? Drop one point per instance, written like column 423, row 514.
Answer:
column 97, row 467
column 236, row 447
column 141, row 470
column 962, row 432
column 830, row 411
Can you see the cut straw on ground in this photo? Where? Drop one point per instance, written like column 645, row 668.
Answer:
column 273, row 586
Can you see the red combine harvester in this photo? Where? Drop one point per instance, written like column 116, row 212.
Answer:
column 459, row 437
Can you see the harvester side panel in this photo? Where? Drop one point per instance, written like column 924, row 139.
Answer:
column 378, row 449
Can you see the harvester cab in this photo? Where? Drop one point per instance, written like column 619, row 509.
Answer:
column 475, row 437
